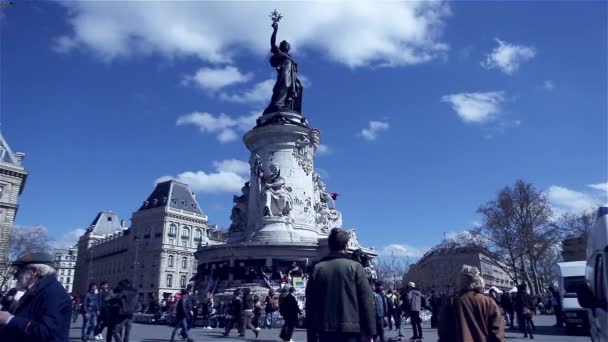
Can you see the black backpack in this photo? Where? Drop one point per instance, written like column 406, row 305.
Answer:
column 130, row 302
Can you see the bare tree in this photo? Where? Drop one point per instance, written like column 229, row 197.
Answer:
column 391, row 269
column 23, row 240
column 518, row 230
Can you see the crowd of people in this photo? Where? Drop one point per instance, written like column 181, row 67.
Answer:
column 343, row 304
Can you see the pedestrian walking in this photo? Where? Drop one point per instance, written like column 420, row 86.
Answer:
column 394, row 298
column 508, row 308
column 271, row 306
column 235, row 314
column 290, row 311
column 470, row 316
column 526, row 302
column 435, row 303
column 339, row 299
column 43, row 313
column 104, row 310
column 247, row 315
column 122, row 305
column 414, row 304
column 183, row 314
column 381, row 306
column 556, row 304
column 90, row 311
column 258, row 310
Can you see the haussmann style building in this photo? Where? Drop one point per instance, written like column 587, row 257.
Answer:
column 156, row 252
column 12, row 180
column 65, row 265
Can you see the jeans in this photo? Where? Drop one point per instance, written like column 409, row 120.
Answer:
column 89, row 321
column 246, row 321
column 397, row 317
column 102, row 322
column 231, row 322
column 119, row 330
column 182, row 323
column 287, row 330
column 416, row 323
column 528, row 325
column 268, row 320
column 380, row 328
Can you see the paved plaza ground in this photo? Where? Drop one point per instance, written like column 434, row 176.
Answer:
column 155, row 333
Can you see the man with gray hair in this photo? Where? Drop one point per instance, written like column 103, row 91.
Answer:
column 43, row 312
column 471, row 315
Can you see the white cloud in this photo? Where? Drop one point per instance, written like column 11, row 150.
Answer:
column 323, row 149
column 68, row 239
column 371, row 132
column 401, row 250
column 599, row 186
column 549, row 85
column 222, row 125
column 476, row 107
column 229, row 176
column 362, row 33
column 258, row 94
column 508, row 57
column 567, row 200
column 232, row 165
column 214, row 79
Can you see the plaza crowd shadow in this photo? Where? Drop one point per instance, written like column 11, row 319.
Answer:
column 547, row 331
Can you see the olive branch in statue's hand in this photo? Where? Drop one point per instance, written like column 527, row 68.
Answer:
column 275, row 17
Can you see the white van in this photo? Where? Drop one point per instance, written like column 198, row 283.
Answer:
column 594, row 295
column 572, row 278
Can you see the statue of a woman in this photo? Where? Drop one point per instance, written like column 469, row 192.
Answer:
column 275, row 195
column 287, row 91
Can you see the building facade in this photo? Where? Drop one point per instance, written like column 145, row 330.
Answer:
column 439, row 269
column 157, row 251
column 12, row 181
column 65, row 265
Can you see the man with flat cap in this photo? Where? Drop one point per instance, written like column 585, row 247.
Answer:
column 43, row 312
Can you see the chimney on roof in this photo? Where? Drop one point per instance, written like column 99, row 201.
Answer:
column 146, row 203
column 19, row 156
column 123, row 223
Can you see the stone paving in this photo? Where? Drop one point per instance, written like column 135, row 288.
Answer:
column 156, row 333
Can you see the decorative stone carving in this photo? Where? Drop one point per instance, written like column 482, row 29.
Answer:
column 353, row 242
column 275, row 195
column 304, row 153
column 239, row 210
column 326, row 214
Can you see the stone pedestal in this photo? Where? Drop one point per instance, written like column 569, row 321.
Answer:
column 291, row 147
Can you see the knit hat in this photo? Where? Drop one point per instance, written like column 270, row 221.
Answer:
column 470, row 279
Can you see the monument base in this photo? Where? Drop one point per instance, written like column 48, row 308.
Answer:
column 275, row 228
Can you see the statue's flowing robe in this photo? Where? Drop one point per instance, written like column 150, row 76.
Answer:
column 287, row 91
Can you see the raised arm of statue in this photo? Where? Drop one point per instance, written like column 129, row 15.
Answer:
column 273, row 38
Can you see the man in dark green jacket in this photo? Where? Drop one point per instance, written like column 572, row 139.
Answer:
column 339, row 299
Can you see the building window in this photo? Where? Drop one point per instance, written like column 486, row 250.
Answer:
column 198, row 236
column 172, row 242
column 184, row 262
column 68, row 280
column 170, row 262
column 169, row 280
column 182, row 281
column 172, row 230
column 185, row 233
column 109, row 218
column 61, row 280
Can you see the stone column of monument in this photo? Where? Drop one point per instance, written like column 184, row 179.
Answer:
column 281, row 188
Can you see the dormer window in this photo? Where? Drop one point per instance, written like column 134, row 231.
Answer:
column 174, row 201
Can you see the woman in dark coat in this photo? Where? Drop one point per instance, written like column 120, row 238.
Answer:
column 290, row 311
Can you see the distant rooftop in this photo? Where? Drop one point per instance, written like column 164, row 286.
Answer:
column 106, row 222
column 173, row 194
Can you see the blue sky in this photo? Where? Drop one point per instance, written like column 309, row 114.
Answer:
column 425, row 109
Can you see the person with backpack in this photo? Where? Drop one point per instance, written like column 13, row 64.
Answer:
column 271, row 306
column 183, row 313
column 394, row 299
column 390, row 309
column 414, row 305
column 122, row 304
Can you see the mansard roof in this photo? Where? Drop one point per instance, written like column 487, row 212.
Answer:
column 106, row 222
column 173, row 194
